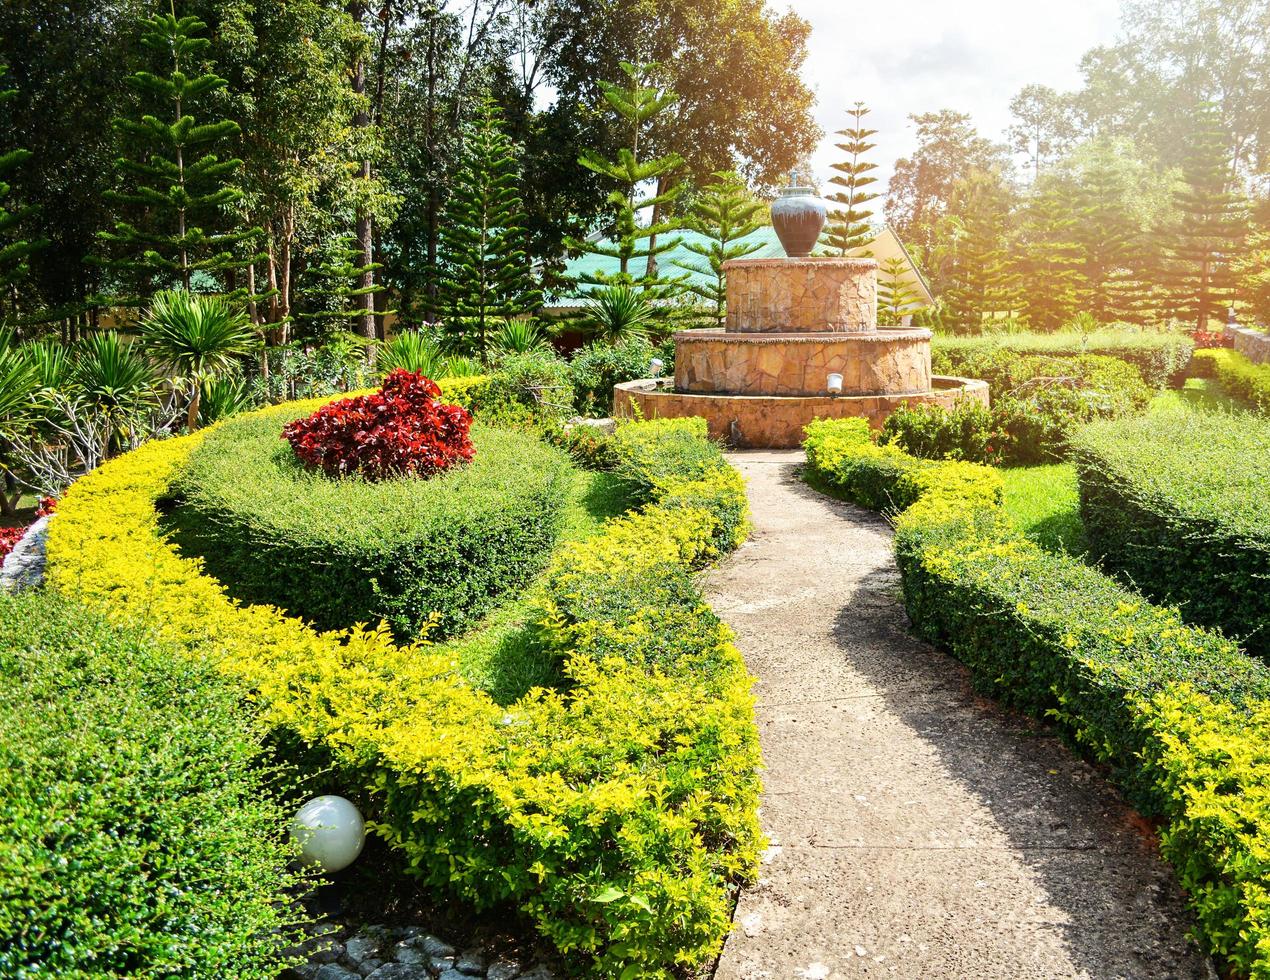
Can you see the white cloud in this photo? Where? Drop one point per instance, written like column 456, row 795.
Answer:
column 915, row 56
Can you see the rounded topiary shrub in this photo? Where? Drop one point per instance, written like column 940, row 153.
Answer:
column 337, row 552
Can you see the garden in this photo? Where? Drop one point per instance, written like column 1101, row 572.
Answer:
column 317, row 497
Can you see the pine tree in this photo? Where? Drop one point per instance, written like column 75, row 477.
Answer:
column 724, row 213
column 483, row 252
column 848, row 229
column 897, row 298
column 982, row 282
column 333, row 289
column 1114, row 259
column 1210, row 231
column 14, row 247
column 1252, row 268
column 180, row 190
column 1048, row 258
column 636, row 105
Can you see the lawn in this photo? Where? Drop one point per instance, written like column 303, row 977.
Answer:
column 1043, row 502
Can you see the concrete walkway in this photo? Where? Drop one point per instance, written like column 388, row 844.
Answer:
column 917, row 829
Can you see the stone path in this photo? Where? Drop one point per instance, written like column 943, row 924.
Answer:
column 918, row 830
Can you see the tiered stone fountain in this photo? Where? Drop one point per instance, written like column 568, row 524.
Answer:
column 801, row 342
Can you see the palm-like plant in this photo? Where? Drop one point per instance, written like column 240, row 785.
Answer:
column 197, row 338
column 18, row 383
column 115, row 379
column 519, row 336
column 410, row 350
column 617, row 313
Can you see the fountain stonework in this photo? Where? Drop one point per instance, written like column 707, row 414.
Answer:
column 791, row 324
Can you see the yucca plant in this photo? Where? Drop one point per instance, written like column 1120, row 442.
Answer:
column 116, row 379
column 18, row 384
column 519, row 336
column 617, row 313
column 410, row 350
column 462, row 367
column 197, row 338
column 222, row 397
column 50, row 361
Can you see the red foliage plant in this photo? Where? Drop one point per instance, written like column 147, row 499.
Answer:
column 400, row 430
column 9, row 538
column 1211, row 338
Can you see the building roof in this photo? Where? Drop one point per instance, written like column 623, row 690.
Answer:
column 886, row 245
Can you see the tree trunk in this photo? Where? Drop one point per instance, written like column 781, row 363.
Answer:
column 191, row 416
column 365, row 324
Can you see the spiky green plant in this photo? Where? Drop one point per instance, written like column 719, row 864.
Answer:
column 410, row 350
column 197, row 338
column 117, row 380
column 617, row 313
column 519, row 337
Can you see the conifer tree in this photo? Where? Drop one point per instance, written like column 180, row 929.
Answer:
column 1114, row 259
column 724, row 213
column 1210, row 231
column 483, row 255
column 177, row 187
column 1048, row 258
column 334, row 290
column 1252, row 268
column 848, row 229
column 982, row 282
column 897, row 298
column 14, row 247
column 636, row 104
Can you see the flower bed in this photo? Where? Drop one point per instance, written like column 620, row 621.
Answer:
column 1239, row 377
column 617, row 813
column 1181, row 511
column 139, row 836
column 416, row 553
column 1179, row 714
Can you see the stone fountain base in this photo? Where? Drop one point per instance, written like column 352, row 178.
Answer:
column 777, row 421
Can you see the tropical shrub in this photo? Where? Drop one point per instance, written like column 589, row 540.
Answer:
column 966, row 431
column 1181, row 511
column 139, row 833
column 400, row 430
column 1179, row 713
column 416, row 553
column 596, row 368
column 527, row 390
column 1159, row 358
column 618, row 813
column 1239, row 377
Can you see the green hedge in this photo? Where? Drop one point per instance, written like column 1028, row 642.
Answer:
column 618, row 812
column 1239, row 377
column 1178, row 506
column 339, row 552
column 137, row 835
column 1159, row 358
column 1179, row 713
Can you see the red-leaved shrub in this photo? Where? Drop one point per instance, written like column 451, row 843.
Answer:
column 9, row 538
column 400, row 430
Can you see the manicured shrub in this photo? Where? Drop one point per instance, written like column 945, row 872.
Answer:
column 596, row 368
column 414, row 553
column 1239, row 377
column 138, row 835
column 528, row 391
column 1159, row 358
column 1180, row 510
column 401, row 430
column 966, row 431
column 618, row 813
column 1179, row 713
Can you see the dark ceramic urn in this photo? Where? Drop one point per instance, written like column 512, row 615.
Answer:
column 798, row 216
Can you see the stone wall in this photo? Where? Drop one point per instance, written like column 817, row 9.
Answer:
column 882, row 362
column 816, row 295
column 1253, row 344
column 775, row 422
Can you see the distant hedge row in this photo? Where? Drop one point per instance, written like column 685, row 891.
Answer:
column 1239, row 377
column 1159, row 358
column 618, row 813
column 1179, row 507
column 1179, row 713
column 340, row 552
column 138, row 835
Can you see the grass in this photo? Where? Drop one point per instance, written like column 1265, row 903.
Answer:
column 1043, row 502
column 501, row 655
column 1198, row 394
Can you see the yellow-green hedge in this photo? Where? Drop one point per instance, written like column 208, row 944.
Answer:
column 1240, row 377
column 1180, row 714
column 617, row 813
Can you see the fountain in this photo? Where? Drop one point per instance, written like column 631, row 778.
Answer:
column 801, row 342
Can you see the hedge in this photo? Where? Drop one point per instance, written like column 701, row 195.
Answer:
column 1180, row 715
column 1160, row 358
column 1239, row 377
column 1178, row 507
column 138, row 834
column 618, row 813
column 418, row 554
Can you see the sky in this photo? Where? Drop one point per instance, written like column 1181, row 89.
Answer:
column 911, row 56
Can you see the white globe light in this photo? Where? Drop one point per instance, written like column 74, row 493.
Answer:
column 330, row 832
